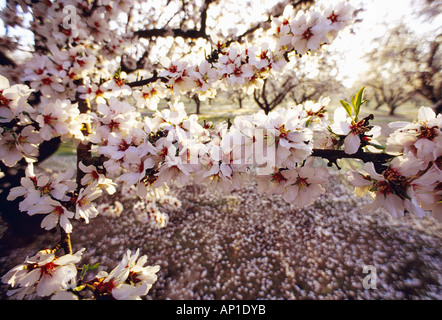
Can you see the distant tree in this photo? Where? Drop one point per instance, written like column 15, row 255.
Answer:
column 238, row 95
column 316, row 79
column 272, row 93
column 300, row 83
column 403, row 65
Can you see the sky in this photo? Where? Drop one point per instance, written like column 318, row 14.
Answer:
column 377, row 14
column 351, row 47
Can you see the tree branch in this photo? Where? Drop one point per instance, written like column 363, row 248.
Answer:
column 186, row 34
column 378, row 159
column 143, row 82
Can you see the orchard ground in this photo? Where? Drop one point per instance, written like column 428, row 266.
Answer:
column 242, row 245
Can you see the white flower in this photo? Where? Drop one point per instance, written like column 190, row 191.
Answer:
column 84, row 207
column 425, row 189
column 96, row 179
column 390, row 190
column 13, row 100
column 116, row 116
column 178, row 75
column 129, row 280
column 55, row 118
column 340, row 16
column 118, row 86
column 93, row 92
column 274, row 183
column 36, row 188
column 422, row 139
column 173, row 168
column 48, row 84
column 233, row 67
column 309, row 31
column 44, row 274
column 290, row 134
column 281, row 25
column 149, row 96
column 58, row 214
column 353, row 131
column 303, row 184
column 136, row 163
column 16, row 145
column 204, row 77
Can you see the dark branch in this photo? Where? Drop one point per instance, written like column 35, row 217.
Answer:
column 379, row 159
column 143, row 82
column 186, row 34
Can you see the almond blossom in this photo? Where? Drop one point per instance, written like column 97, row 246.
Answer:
column 389, row 190
column 57, row 214
column 43, row 273
column 95, row 178
column 36, row 188
column 61, row 118
column 304, row 184
column 309, row 31
column 13, row 100
column 129, row 280
column 204, row 77
column 16, row 145
column 427, row 192
column 354, row 131
column 149, row 96
column 340, row 16
column 421, row 139
column 84, row 205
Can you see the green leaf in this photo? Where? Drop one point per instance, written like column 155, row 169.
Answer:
column 83, row 271
column 346, row 106
column 95, row 266
column 87, row 268
column 358, row 101
column 377, row 146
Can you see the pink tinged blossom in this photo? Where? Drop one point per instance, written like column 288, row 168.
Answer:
column 303, row 184
column 344, row 125
column 309, row 31
column 44, row 274
column 35, row 189
column 13, row 100
column 340, row 16
column 48, row 85
column 14, row 146
column 96, row 179
column 84, row 206
column 352, row 143
column 426, row 190
column 55, row 118
column 271, row 184
column 390, row 191
column 57, row 214
column 136, row 163
column 129, row 280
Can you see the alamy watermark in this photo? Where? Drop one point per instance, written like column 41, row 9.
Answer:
column 370, row 280
column 234, row 150
column 70, row 19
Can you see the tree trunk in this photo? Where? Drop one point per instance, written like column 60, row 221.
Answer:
column 392, row 109
column 197, row 103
